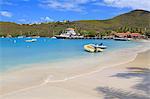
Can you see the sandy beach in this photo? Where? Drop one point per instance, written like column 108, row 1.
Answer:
column 123, row 74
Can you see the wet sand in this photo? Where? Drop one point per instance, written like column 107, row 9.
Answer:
column 94, row 79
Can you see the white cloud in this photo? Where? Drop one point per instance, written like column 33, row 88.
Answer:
column 134, row 4
column 7, row 3
column 5, row 14
column 46, row 19
column 11, row 2
column 22, row 20
column 37, row 21
column 66, row 5
column 81, row 5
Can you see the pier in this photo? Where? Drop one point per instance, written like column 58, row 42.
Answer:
column 80, row 37
column 70, row 33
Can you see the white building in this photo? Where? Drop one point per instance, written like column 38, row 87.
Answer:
column 69, row 32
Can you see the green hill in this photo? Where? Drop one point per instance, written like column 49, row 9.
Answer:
column 134, row 21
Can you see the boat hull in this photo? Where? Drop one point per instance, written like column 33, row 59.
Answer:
column 122, row 39
column 92, row 49
column 99, row 46
column 32, row 40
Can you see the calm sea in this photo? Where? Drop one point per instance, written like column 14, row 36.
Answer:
column 15, row 51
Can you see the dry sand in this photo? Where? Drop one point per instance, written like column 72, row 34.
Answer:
column 113, row 77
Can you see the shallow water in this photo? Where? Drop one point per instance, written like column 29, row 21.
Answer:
column 15, row 51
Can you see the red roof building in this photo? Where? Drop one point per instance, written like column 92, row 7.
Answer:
column 136, row 35
column 128, row 35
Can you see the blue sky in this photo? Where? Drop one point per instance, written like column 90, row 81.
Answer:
column 34, row 11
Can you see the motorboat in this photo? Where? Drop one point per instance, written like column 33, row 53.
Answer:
column 20, row 36
column 99, row 46
column 31, row 40
column 122, row 39
column 53, row 37
column 91, row 48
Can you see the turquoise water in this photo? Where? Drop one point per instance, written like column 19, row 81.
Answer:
column 48, row 50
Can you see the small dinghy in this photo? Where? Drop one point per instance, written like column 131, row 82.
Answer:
column 99, row 46
column 92, row 49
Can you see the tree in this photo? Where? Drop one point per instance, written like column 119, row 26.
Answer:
column 147, row 34
column 88, row 33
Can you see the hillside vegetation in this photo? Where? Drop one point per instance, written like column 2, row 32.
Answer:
column 134, row 21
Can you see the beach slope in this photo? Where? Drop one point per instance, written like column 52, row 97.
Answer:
column 125, row 81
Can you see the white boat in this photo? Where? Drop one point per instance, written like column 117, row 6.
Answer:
column 20, row 37
column 53, row 37
column 99, row 46
column 122, row 39
column 31, row 40
column 92, row 49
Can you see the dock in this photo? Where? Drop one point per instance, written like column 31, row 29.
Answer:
column 79, row 37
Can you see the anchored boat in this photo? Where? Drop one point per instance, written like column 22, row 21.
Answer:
column 122, row 39
column 32, row 40
column 92, row 49
column 99, row 46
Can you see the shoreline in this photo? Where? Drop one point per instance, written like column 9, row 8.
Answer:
column 40, row 86
column 61, row 61
column 18, row 67
column 80, row 73
column 83, row 58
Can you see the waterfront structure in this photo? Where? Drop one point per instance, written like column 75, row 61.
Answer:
column 69, row 32
column 128, row 35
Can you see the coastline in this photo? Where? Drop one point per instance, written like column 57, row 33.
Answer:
column 79, row 58
column 43, row 76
